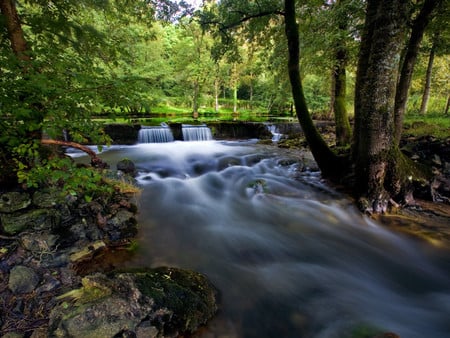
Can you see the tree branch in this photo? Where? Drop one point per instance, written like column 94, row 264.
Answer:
column 95, row 160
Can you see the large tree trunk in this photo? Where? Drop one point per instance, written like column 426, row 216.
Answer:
column 412, row 49
column 427, row 87
column 374, row 150
column 328, row 162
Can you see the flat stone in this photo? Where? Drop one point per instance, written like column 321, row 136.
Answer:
column 22, row 279
column 87, row 252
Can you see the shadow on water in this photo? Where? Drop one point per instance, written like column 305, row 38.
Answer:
column 291, row 257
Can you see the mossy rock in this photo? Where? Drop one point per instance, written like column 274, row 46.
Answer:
column 163, row 301
column 188, row 294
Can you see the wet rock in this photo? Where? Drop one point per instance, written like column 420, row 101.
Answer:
column 148, row 303
column 37, row 219
column 127, row 166
column 39, row 243
column 122, row 225
column 14, row 201
column 87, row 252
column 22, row 279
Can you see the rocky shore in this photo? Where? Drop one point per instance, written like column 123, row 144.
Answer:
column 58, row 273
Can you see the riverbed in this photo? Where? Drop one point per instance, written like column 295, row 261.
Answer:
column 291, row 256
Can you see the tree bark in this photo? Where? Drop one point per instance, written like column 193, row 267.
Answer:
column 195, row 99
column 95, row 160
column 427, row 87
column 374, row 150
column 343, row 129
column 216, row 95
column 14, row 28
column 447, row 106
column 412, row 49
column 328, row 162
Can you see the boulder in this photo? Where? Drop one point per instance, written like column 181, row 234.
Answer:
column 127, row 166
column 145, row 303
column 22, row 279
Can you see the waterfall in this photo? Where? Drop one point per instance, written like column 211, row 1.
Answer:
column 196, row 133
column 160, row 134
column 276, row 135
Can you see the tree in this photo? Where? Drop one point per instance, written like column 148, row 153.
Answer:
column 51, row 79
column 381, row 172
column 343, row 129
column 426, row 13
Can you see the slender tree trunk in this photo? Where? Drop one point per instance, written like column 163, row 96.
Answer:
column 195, row 99
column 325, row 158
column 332, row 95
column 235, row 90
column 401, row 97
column 427, row 87
column 343, row 129
column 216, row 95
column 14, row 28
column 447, row 106
column 374, row 150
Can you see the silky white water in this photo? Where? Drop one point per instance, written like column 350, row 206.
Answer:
column 290, row 256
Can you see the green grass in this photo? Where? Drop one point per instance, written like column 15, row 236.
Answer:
column 427, row 125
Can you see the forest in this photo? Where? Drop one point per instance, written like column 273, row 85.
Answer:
column 335, row 231
column 67, row 66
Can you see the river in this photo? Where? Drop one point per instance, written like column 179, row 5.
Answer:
column 291, row 256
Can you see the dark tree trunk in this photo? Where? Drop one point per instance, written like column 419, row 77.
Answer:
column 325, row 158
column 412, row 49
column 374, row 150
column 427, row 87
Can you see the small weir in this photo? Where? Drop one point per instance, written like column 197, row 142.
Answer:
column 196, row 133
column 158, row 134
column 164, row 134
column 276, row 135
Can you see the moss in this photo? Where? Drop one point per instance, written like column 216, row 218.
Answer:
column 188, row 294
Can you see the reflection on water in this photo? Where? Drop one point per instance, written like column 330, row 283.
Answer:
column 291, row 257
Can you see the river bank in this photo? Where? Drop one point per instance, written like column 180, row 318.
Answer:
column 59, row 257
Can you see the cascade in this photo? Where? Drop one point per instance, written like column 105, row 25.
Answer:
column 160, row 134
column 196, row 133
column 276, row 135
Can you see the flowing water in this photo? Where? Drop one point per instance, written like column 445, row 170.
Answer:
column 290, row 256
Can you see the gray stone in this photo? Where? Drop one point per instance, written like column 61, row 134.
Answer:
column 22, row 279
column 14, row 201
